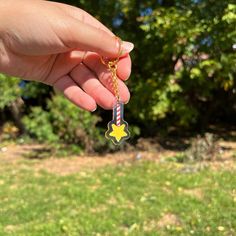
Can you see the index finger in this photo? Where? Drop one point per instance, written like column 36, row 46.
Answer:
column 83, row 16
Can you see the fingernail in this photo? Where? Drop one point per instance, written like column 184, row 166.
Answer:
column 94, row 110
column 127, row 47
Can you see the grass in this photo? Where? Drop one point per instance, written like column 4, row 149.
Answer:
column 136, row 199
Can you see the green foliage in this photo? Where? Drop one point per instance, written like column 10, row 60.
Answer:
column 183, row 42
column 183, row 75
column 184, row 62
column 64, row 123
column 38, row 124
column 36, row 91
column 9, row 90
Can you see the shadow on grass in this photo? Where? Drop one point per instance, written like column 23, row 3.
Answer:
column 224, row 132
column 175, row 144
column 181, row 142
column 38, row 153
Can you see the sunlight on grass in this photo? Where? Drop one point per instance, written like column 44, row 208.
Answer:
column 144, row 198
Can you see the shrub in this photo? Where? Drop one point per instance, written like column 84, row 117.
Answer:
column 65, row 124
column 9, row 90
column 38, row 124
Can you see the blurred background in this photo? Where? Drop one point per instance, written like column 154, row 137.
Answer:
column 182, row 119
column 182, row 82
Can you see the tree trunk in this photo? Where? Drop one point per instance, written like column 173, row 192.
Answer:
column 15, row 109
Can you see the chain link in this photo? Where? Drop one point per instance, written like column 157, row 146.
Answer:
column 112, row 67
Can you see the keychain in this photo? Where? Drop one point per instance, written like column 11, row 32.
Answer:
column 117, row 128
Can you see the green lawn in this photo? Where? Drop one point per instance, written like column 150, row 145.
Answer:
column 144, row 198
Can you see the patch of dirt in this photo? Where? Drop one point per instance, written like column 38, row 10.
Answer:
column 196, row 192
column 13, row 152
column 66, row 166
column 10, row 228
column 14, row 155
column 98, row 209
column 228, row 148
column 168, row 219
column 228, row 158
column 229, row 165
column 112, row 201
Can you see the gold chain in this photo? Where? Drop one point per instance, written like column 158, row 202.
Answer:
column 112, row 67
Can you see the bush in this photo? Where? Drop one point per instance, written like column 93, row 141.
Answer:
column 9, row 90
column 38, row 124
column 65, row 124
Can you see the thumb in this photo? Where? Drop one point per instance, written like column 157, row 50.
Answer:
column 85, row 37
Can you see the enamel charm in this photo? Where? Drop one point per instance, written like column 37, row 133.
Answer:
column 118, row 128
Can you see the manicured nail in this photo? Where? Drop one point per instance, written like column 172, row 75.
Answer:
column 127, row 47
column 94, row 110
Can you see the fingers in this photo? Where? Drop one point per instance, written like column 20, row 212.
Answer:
column 78, row 35
column 92, row 86
column 63, row 64
column 75, row 94
column 82, row 16
column 124, row 68
column 93, row 62
column 83, row 83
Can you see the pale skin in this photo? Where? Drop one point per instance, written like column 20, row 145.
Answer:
column 61, row 45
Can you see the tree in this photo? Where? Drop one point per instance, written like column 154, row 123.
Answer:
column 183, row 64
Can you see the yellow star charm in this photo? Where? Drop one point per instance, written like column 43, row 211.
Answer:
column 117, row 133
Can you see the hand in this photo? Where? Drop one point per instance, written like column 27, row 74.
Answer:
column 61, row 45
